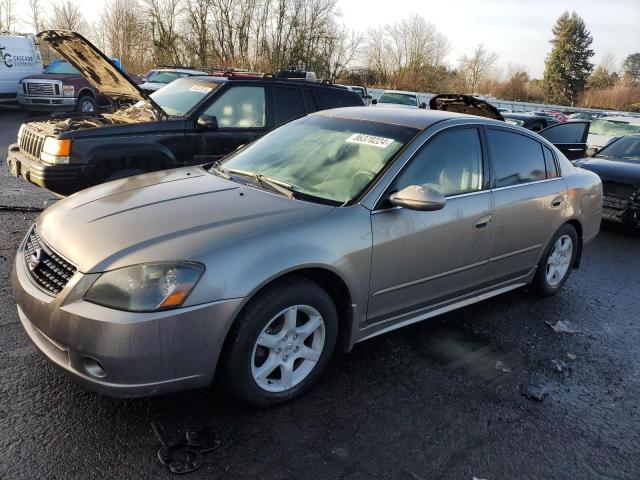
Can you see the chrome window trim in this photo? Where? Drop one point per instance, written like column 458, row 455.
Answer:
column 525, row 184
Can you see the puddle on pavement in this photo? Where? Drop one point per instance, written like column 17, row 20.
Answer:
column 477, row 356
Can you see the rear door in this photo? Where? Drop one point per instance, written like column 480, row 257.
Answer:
column 569, row 137
column 529, row 201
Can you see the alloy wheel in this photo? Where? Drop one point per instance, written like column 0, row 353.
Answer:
column 288, row 348
column 559, row 260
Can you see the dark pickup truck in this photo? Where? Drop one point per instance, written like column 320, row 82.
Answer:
column 191, row 121
column 60, row 88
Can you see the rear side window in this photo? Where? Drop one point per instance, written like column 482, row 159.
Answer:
column 516, row 159
column 550, row 163
column 335, row 98
column 288, row 104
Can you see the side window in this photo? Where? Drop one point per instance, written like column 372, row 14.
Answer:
column 288, row 104
column 240, row 107
column 309, row 101
column 550, row 163
column 450, row 163
column 516, row 158
column 336, row 98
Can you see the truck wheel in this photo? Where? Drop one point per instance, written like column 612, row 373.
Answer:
column 127, row 172
column 86, row 104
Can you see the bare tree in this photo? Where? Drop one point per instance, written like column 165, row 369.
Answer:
column 125, row 33
column 36, row 14
column 474, row 68
column 165, row 23
column 7, row 14
column 67, row 15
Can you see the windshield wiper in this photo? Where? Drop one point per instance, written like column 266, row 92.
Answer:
column 276, row 185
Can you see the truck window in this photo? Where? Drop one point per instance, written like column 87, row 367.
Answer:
column 240, row 107
column 309, row 102
column 288, row 104
column 336, row 98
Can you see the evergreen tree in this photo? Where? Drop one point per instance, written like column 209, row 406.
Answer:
column 631, row 69
column 567, row 68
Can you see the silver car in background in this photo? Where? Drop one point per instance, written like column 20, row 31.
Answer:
column 330, row 230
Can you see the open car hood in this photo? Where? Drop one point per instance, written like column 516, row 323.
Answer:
column 94, row 65
column 453, row 102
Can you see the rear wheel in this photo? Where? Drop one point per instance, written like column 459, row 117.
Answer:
column 281, row 344
column 556, row 263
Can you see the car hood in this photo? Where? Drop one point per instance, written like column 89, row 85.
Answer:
column 453, row 102
column 165, row 215
column 52, row 76
column 95, row 66
column 619, row 171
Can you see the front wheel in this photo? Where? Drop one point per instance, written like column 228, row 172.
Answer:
column 556, row 263
column 86, row 104
column 281, row 343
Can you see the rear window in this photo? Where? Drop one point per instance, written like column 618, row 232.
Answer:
column 334, row 98
column 517, row 159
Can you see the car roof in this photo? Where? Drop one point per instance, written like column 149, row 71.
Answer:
column 409, row 117
column 522, row 115
column 621, row 118
column 270, row 80
column 180, row 70
column 405, row 92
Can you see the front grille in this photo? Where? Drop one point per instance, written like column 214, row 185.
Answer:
column 35, row 88
column 49, row 271
column 618, row 190
column 614, row 203
column 31, row 142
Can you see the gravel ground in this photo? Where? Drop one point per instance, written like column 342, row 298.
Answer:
column 424, row 402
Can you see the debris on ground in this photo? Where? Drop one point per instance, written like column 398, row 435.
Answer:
column 563, row 326
column 502, row 367
column 534, row 391
column 185, row 456
column 571, row 356
column 559, row 365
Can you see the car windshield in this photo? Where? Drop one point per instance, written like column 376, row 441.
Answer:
column 613, row 128
column 333, row 159
column 61, row 67
column 164, row 77
column 627, row 148
column 399, row 98
column 180, row 96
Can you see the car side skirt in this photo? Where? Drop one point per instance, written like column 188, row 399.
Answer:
column 431, row 311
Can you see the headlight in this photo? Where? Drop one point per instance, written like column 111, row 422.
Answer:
column 68, row 90
column 56, row 150
column 146, row 287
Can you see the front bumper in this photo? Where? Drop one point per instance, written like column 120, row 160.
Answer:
column 62, row 179
column 622, row 211
column 139, row 354
column 33, row 103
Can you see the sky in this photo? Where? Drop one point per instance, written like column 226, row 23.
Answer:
column 517, row 30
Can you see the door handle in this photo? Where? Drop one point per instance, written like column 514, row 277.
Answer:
column 483, row 222
column 556, row 202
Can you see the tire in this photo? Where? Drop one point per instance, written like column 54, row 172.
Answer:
column 86, row 104
column 248, row 370
column 128, row 172
column 552, row 274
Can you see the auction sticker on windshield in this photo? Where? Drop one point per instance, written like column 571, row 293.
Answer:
column 200, row 88
column 372, row 140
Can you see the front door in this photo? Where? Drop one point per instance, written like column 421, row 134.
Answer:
column 241, row 117
column 570, row 138
column 424, row 258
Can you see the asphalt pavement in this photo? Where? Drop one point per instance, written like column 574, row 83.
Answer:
column 450, row 398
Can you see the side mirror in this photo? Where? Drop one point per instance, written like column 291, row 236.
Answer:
column 374, row 102
column 422, row 105
column 416, row 197
column 207, row 122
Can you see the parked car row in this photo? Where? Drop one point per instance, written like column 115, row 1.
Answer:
column 338, row 224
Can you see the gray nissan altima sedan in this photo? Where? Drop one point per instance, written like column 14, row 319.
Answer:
column 330, row 230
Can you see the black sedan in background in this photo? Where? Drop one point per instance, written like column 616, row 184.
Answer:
column 530, row 121
column 618, row 165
